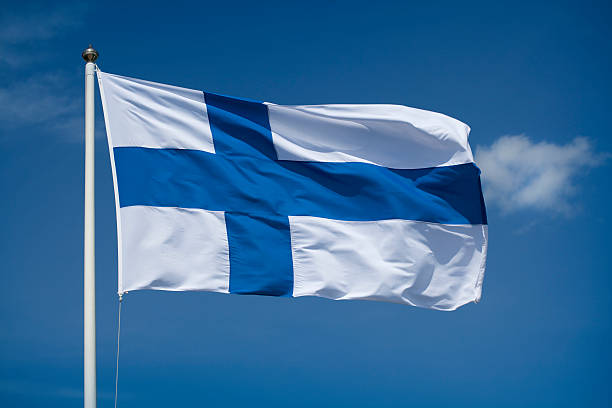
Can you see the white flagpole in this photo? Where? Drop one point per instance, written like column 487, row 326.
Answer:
column 90, row 55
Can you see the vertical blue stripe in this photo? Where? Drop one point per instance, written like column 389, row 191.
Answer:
column 239, row 127
column 260, row 254
column 259, row 246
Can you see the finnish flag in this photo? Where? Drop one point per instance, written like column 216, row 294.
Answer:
column 231, row 195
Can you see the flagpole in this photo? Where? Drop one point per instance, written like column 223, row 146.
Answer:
column 89, row 55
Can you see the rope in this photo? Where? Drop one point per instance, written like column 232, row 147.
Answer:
column 118, row 337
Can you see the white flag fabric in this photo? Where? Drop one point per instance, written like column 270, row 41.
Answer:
column 231, row 195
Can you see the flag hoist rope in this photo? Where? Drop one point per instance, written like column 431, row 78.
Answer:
column 118, row 338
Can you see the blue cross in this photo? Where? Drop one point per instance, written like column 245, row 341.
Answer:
column 258, row 192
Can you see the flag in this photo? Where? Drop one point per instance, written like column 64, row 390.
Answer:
column 231, row 195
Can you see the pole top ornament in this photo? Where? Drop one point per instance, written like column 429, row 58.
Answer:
column 90, row 54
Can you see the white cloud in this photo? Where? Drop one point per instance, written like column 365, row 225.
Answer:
column 520, row 174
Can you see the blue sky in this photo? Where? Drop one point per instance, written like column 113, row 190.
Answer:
column 531, row 79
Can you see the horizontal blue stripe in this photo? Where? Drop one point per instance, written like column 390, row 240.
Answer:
column 342, row 191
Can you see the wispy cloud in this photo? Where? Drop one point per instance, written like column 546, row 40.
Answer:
column 36, row 100
column 520, row 174
column 51, row 103
column 51, row 100
column 22, row 35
